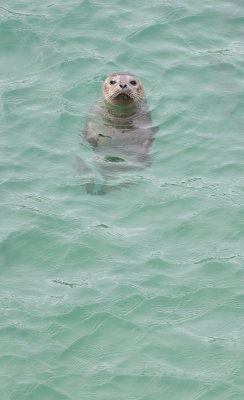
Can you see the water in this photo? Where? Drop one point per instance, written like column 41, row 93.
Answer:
column 137, row 294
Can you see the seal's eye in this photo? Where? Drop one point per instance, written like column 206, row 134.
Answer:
column 133, row 83
column 112, row 82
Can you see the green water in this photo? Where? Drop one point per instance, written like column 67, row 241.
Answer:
column 137, row 294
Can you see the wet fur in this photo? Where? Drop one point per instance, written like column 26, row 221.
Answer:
column 119, row 126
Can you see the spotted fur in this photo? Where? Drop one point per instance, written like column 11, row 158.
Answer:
column 123, row 89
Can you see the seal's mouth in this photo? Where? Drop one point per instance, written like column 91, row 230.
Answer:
column 122, row 96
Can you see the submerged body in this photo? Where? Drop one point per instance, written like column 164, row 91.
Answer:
column 119, row 126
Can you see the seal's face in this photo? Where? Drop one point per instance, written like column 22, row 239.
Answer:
column 122, row 89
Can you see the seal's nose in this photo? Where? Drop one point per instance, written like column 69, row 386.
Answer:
column 122, row 86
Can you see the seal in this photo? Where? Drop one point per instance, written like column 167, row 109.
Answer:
column 119, row 126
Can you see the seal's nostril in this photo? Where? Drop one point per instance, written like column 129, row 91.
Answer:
column 123, row 86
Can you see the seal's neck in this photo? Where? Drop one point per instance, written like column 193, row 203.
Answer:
column 119, row 111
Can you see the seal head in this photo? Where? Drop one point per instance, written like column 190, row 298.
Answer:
column 123, row 89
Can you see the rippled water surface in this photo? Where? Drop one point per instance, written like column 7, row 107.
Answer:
column 136, row 294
